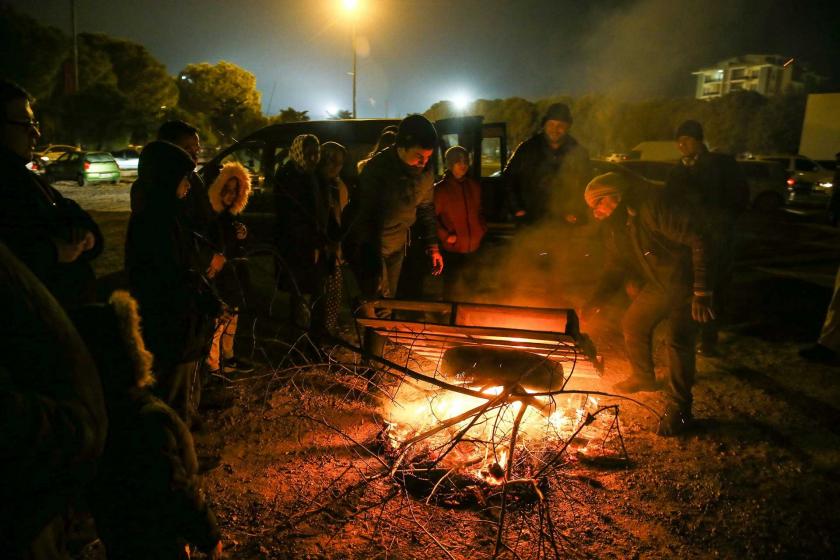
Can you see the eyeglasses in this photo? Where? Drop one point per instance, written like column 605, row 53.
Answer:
column 28, row 123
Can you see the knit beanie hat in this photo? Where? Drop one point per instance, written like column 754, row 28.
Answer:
column 455, row 153
column 608, row 184
column 690, row 128
column 558, row 112
column 416, row 130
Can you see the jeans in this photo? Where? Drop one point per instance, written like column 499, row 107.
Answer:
column 651, row 307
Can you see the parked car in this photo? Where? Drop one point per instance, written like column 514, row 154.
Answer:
column 618, row 156
column 127, row 159
column 84, row 168
column 49, row 154
column 809, row 182
column 767, row 180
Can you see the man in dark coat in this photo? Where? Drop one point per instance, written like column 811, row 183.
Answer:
column 546, row 175
column 51, row 234
column 712, row 184
column 53, row 422
column 165, row 275
column 657, row 242
column 395, row 190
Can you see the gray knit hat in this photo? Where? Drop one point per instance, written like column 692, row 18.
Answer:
column 608, row 184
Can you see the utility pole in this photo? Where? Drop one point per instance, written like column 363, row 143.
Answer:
column 354, row 66
column 75, row 48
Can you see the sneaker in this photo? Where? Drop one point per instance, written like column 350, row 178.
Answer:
column 819, row 354
column 674, row 422
column 635, row 385
column 238, row 365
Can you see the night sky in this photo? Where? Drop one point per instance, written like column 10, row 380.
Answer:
column 420, row 52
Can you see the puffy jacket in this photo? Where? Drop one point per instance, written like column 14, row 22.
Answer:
column 547, row 183
column 458, row 212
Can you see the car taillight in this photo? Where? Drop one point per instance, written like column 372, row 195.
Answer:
column 791, row 181
column 87, row 165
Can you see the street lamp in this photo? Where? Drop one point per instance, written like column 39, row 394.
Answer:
column 351, row 7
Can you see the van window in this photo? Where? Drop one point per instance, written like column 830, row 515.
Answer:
column 804, row 165
column 491, row 156
column 250, row 155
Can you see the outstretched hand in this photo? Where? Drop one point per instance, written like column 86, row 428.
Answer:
column 701, row 309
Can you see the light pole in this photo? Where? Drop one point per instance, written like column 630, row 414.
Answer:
column 351, row 6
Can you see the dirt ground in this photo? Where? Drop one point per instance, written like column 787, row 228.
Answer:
column 294, row 469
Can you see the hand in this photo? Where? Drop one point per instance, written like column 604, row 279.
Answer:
column 452, row 238
column 701, row 308
column 571, row 218
column 241, row 230
column 216, row 553
column 216, row 264
column 519, row 213
column 67, row 252
column 437, row 261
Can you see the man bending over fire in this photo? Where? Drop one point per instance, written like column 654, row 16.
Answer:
column 657, row 241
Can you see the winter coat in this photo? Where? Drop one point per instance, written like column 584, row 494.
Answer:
column 715, row 186
column 656, row 239
column 145, row 498
column 303, row 213
column 32, row 214
column 392, row 196
column 53, row 423
column 231, row 281
column 163, row 262
column 547, row 183
column 458, row 212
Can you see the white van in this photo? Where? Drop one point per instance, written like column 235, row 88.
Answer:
column 656, row 150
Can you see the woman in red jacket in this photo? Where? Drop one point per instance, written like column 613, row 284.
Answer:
column 460, row 222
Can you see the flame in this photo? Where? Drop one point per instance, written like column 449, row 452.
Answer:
column 415, row 411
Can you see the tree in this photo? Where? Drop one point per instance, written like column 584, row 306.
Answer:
column 340, row 114
column 32, row 53
column 288, row 115
column 225, row 92
column 142, row 79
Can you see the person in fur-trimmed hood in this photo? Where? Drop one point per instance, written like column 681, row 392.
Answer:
column 228, row 197
column 145, row 497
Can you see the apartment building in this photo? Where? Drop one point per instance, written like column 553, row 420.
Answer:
column 767, row 74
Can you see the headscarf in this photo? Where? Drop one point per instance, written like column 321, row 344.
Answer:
column 296, row 151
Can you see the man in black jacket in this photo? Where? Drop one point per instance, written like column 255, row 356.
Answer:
column 546, row 175
column 51, row 234
column 395, row 189
column 658, row 243
column 712, row 184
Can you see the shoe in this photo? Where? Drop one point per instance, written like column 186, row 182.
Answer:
column 635, row 385
column 819, row 354
column 674, row 422
column 238, row 365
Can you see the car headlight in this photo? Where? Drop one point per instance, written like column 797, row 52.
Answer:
column 825, row 184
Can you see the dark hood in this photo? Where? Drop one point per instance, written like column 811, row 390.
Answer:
column 162, row 167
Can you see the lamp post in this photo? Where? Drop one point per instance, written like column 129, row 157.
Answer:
column 351, row 6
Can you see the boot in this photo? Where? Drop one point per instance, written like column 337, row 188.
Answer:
column 634, row 384
column 675, row 421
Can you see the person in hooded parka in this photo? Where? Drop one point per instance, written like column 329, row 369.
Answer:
column 165, row 276
column 228, row 197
